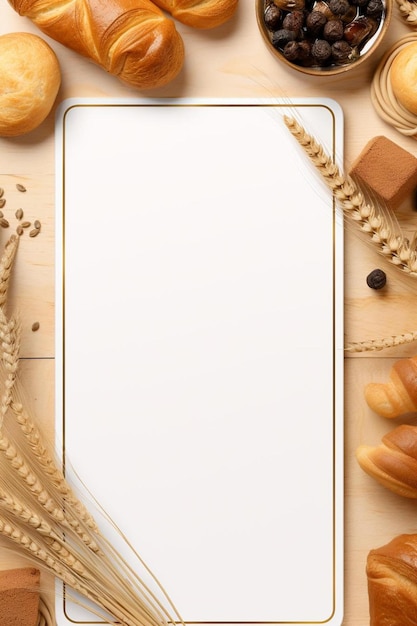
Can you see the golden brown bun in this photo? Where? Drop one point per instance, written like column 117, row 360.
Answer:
column 200, row 13
column 403, row 76
column 30, row 80
column 398, row 395
column 131, row 39
column 392, row 582
column 393, row 463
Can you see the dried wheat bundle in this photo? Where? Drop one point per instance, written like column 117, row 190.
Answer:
column 45, row 519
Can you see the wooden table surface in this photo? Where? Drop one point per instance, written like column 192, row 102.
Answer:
column 231, row 61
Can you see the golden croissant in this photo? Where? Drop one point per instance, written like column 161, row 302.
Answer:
column 392, row 582
column 131, row 39
column 393, row 463
column 398, row 395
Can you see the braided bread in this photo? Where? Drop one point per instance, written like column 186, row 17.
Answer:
column 131, row 39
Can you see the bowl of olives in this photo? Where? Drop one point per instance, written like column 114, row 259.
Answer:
column 323, row 36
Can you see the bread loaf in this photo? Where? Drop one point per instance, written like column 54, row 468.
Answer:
column 131, row 39
column 403, row 74
column 392, row 582
column 398, row 395
column 30, row 80
column 393, row 463
column 200, row 13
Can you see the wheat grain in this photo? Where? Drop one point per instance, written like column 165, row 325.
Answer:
column 47, row 465
column 6, row 264
column 367, row 217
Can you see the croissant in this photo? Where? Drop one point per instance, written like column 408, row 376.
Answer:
column 131, row 39
column 199, row 13
column 392, row 582
column 393, row 463
column 399, row 394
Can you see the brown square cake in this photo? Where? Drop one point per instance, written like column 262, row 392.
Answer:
column 387, row 170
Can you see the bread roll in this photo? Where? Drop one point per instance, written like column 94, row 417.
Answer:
column 403, row 77
column 393, row 463
column 392, row 582
column 131, row 39
column 398, row 395
column 200, row 13
column 30, row 80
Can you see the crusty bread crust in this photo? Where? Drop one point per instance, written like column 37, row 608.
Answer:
column 30, row 77
column 403, row 76
column 131, row 39
column 200, row 13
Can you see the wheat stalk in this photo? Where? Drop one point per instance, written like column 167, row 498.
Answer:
column 367, row 217
column 41, row 514
column 373, row 345
column 408, row 11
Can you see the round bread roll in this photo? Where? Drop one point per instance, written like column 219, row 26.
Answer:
column 403, row 76
column 30, row 80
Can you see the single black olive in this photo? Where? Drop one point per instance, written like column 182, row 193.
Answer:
column 272, row 17
column 377, row 279
column 342, row 52
column 315, row 22
column 321, row 51
column 282, row 36
column 333, row 30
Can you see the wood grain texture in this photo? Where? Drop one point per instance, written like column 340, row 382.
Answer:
column 232, row 61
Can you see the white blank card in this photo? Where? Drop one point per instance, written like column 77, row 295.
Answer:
column 200, row 348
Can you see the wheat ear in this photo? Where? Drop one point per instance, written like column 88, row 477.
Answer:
column 408, row 11
column 6, row 265
column 41, row 514
column 366, row 216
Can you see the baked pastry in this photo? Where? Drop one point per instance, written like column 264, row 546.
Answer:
column 200, row 13
column 393, row 463
column 392, row 582
column 30, row 81
column 398, row 395
column 403, row 75
column 131, row 39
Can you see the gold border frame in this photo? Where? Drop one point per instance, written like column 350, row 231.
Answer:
column 250, row 104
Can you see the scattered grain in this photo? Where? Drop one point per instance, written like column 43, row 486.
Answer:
column 19, row 230
column 25, row 224
column 1, row 192
column 2, row 202
column 19, row 214
column 37, row 224
column 33, row 232
column 20, row 187
column 4, row 223
column 35, row 326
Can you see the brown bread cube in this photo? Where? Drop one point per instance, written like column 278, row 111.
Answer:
column 387, row 170
column 19, row 597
